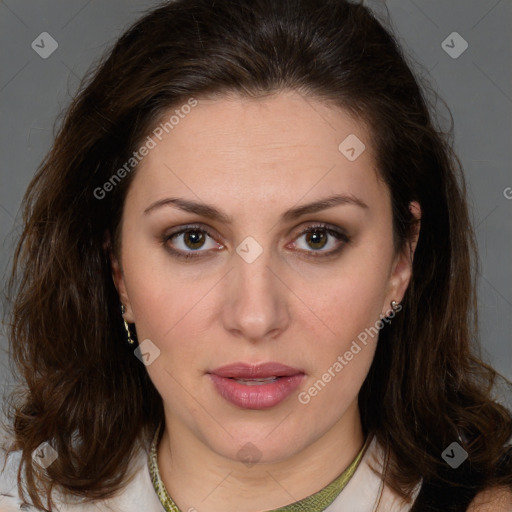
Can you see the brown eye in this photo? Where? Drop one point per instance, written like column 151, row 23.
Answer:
column 190, row 242
column 321, row 240
column 316, row 239
column 194, row 239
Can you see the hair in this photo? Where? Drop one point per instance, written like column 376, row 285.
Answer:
column 85, row 392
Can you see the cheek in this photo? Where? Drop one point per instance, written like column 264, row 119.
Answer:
column 349, row 314
column 157, row 301
column 334, row 386
column 345, row 340
column 350, row 302
column 163, row 307
column 344, row 346
column 159, row 294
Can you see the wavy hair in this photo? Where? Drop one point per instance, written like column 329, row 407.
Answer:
column 83, row 389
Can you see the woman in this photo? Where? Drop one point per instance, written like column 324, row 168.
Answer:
column 245, row 281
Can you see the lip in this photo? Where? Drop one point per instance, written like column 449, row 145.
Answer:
column 255, row 371
column 256, row 396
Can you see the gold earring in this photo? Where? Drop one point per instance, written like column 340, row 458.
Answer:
column 395, row 306
column 131, row 341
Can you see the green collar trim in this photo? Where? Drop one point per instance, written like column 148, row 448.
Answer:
column 314, row 503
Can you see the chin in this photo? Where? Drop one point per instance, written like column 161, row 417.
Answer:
column 260, row 444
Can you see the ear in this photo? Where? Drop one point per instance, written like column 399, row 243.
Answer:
column 118, row 278
column 402, row 264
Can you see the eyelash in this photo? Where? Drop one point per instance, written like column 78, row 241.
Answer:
column 336, row 233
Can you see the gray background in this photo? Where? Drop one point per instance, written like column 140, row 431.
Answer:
column 477, row 87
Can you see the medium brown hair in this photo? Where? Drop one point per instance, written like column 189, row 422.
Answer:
column 86, row 392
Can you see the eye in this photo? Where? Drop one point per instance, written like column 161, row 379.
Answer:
column 189, row 240
column 321, row 239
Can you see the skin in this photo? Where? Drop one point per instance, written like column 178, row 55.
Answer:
column 254, row 159
column 496, row 499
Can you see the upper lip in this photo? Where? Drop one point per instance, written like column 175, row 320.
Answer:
column 258, row 371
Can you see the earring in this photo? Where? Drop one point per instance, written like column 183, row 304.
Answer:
column 395, row 306
column 131, row 341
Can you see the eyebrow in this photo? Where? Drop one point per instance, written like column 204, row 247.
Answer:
column 211, row 212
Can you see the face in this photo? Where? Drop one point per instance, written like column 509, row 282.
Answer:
column 256, row 291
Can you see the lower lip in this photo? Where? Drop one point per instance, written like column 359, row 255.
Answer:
column 260, row 396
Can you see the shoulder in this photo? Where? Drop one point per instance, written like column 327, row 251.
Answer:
column 366, row 491
column 9, row 498
column 497, row 499
column 137, row 495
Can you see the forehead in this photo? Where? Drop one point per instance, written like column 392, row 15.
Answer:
column 245, row 149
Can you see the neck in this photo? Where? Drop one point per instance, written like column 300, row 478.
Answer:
column 198, row 478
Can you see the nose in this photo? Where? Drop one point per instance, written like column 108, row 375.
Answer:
column 256, row 306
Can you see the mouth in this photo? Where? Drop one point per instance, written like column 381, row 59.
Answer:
column 256, row 386
column 256, row 382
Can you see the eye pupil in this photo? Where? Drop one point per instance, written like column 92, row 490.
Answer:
column 194, row 239
column 316, row 237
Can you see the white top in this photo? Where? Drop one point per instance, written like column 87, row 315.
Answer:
column 364, row 492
